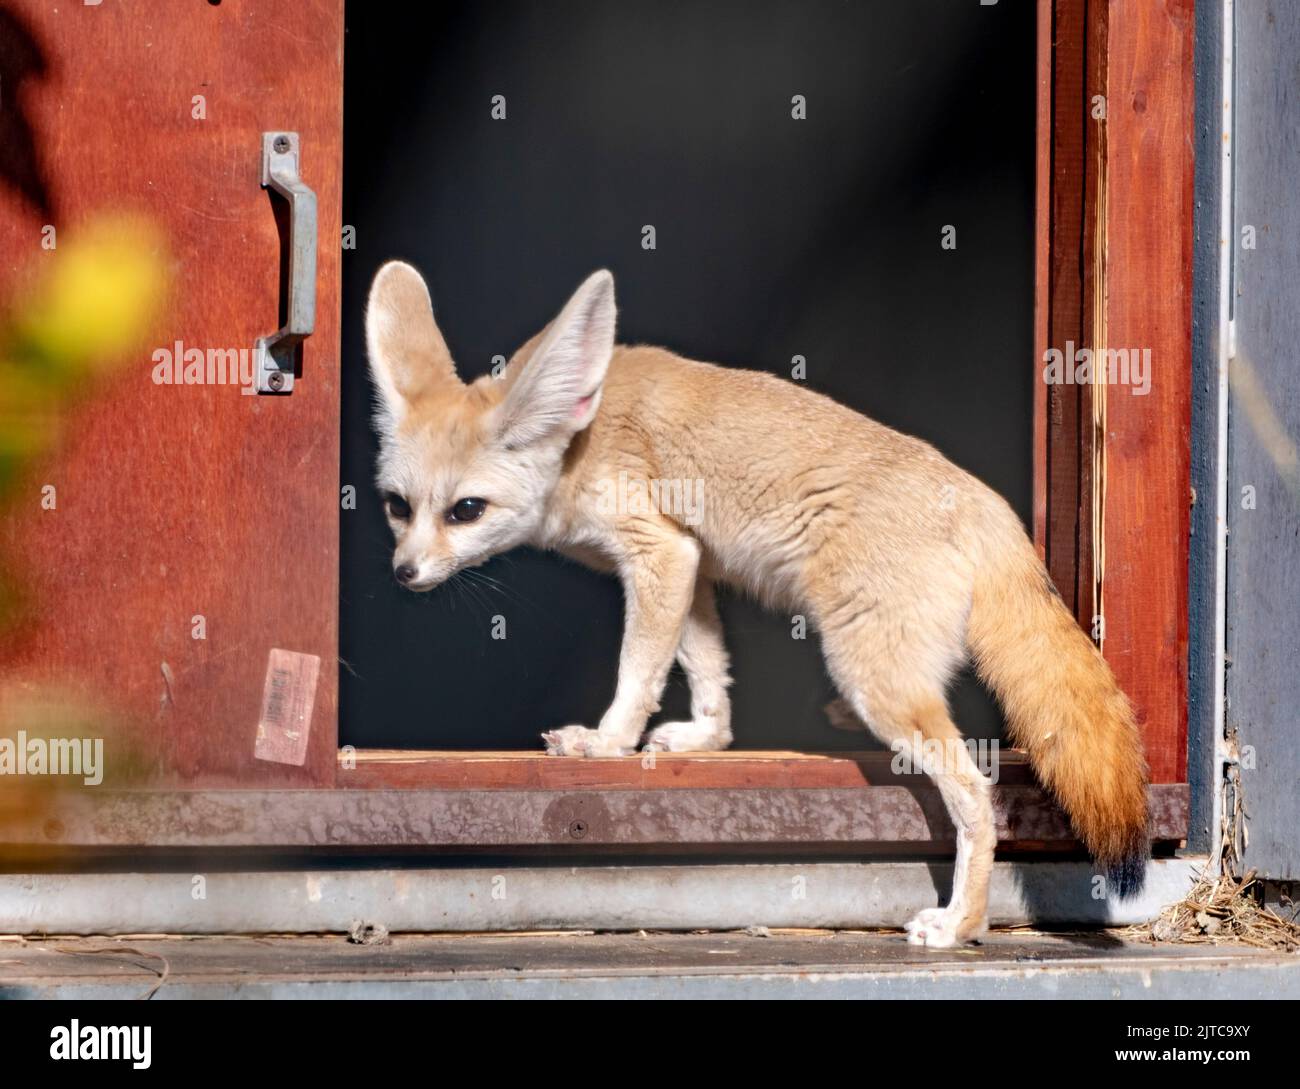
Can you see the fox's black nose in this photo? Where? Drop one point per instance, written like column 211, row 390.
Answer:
column 405, row 574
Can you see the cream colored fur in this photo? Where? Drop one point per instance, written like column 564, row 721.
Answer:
column 906, row 565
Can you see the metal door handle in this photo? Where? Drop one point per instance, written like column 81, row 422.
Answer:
column 273, row 356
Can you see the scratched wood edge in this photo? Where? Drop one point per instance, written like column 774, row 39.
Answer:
column 1042, row 266
column 1065, row 139
column 433, row 819
column 1091, row 399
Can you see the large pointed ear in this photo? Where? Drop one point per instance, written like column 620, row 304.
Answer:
column 558, row 389
column 408, row 357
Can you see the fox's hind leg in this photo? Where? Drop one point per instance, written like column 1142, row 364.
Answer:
column 967, row 796
column 894, row 676
column 702, row 654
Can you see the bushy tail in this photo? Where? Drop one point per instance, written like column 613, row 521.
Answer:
column 1065, row 709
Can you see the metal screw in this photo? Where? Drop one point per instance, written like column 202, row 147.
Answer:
column 281, row 144
column 578, row 829
column 276, row 381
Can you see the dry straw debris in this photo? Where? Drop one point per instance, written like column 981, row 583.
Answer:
column 1223, row 908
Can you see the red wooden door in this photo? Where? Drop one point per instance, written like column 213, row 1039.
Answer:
column 195, row 530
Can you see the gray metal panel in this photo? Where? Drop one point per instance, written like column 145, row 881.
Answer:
column 507, row 897
column 1202, row 723
column 1264, row 419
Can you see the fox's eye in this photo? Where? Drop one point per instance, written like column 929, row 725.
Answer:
column 398, row 507
column 467, row 510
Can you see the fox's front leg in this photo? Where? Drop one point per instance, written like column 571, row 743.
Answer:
column 702, row 654
column 658, row 577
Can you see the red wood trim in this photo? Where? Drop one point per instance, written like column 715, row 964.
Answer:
column 1148, row 271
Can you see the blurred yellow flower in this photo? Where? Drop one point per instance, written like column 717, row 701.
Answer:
column 95, row 301
column 105, row 287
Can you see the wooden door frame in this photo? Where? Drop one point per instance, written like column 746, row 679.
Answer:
column 1113, row 266
column 1112, row 470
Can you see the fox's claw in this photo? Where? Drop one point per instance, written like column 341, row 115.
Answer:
column 581, row 741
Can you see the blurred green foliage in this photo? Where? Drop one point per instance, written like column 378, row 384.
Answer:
column 86, row 305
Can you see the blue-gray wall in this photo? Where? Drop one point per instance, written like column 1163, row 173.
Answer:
column 1263, row 633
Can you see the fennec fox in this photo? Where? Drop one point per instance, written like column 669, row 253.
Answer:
column 905, row 564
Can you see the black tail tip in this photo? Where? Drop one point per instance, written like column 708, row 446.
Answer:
column 1127, row 876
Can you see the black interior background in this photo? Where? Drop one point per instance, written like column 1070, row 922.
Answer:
column 775, row 238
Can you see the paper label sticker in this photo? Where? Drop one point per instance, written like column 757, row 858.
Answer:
column 287, row 702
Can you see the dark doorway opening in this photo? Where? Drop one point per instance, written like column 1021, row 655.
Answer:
column 775, row 238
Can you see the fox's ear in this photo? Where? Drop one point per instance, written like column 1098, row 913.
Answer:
column 408, row 357
column 558, row 389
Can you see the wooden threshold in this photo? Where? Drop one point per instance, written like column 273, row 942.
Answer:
column 862, row 819
column 524, row 802
column 901, row 807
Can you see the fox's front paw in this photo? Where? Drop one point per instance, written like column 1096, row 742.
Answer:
column 940, row 928
column 581, row 741
column 687, row 737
